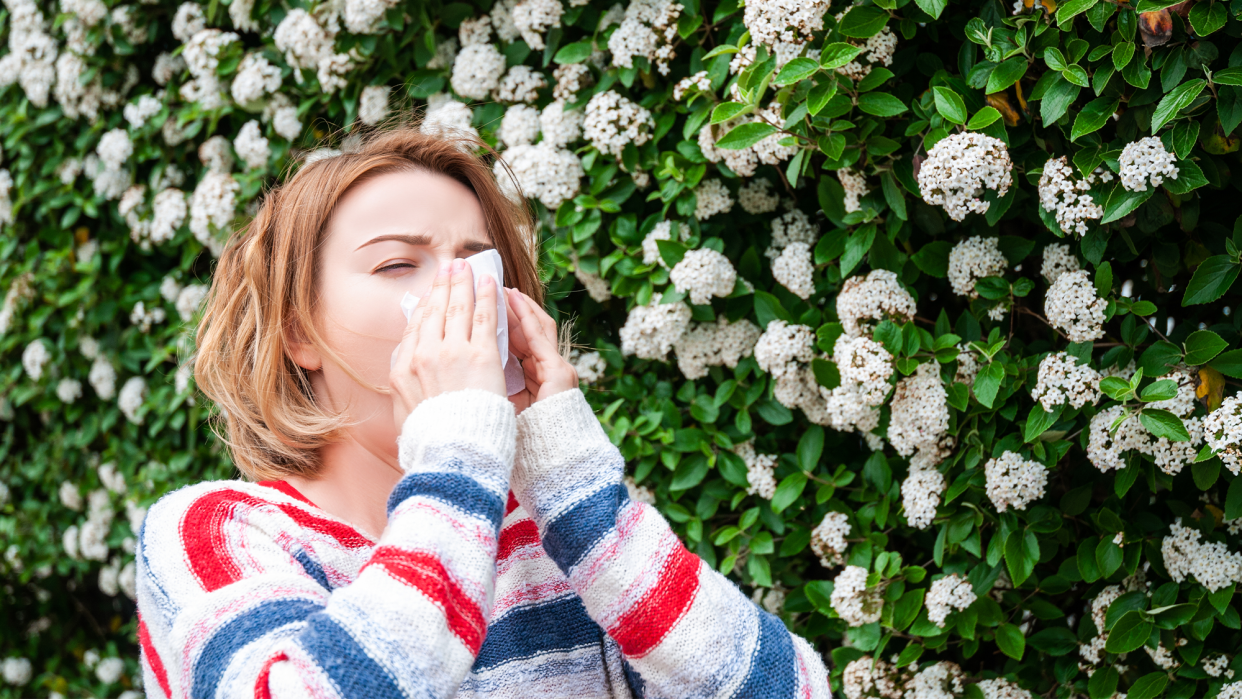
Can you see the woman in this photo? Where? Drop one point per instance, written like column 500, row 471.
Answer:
column 406, row 530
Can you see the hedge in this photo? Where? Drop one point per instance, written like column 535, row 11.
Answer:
column 915, row 318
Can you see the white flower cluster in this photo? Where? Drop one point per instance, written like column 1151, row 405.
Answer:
column 743, row 161
column 560, row 127
column 852, row 600
column 1060, row 194
column 648, row 30
column 373, row 104
column 828, row 539
column 448, row 118
column 1013, row 481
column 309, row 44
column 534, row 18
column 789, row 228
column 1106, row 451
column 89, row 540
column 589, row 365
column 1216, row 666
column 1210, row 563
column 967, row 365
column 6, row 201
column 1001, row 688
column 959, row 167
column 760, row 470
column 612, row 121
column 102, row 377
column 1062, row 379
column 1222, row 429
column 519, row 126
column 1143, row 161
column 138, row 111
column 211, row 208
column 699, row 82
column 650, row 331
column 919, row 419
column 144, row 318
column 702, row 274
column 1072, row 307
column 973, row 259
column 920, row 495
column 876, row 51
column 17, row 671
column 794, row 269
column 255, row 78
column 69, row 390
column 477, row 70
column 865, row 367
column 252, row 146
column 651, row 250
column 877, row 296
column 544, row 171
column 784, row 351
column 855, row 186
column 757, row 197
column 131, row 398
column 640, row 493
column 1092, row 650
column 597, row 287
column 1058, row 260
column 35, row 357
column 942, row 680
column 714, row 344
column 520, row 84
column 872, row 678
column 571, row 79
column 777, row 22
column 712, row 197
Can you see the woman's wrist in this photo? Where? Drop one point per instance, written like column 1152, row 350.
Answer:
column 471, row 419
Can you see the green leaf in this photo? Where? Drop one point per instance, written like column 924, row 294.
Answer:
column 983, row 118
column 1104, row 279
column 1148, row 686
column 1202, row 346
column 690, row 472
column 907, row 609
column 745, row 135
column 987, row 383
column 863, row 22
column 1208, row 17
column 1123, row 201
column 728, row 110
column 1229, row 363
column 1103, row 684
column 1205, row 473
column 1072, row 9
column 1056, row 101
column 933, row 258
column 576, row 52
column 932, row 7
column 1174, row 102
column 1011, row 641
column 1212, row 278
column 795, row 70
column 1093, row 116
column 1122, row 53
column 1185, row 134
column 1039, row 421
column 838, row 54
column 768, row 308
column 826, row 373
column 881, row 104
column 788, row 491
column 810, row 448
column 1163, row 423
column 1055, row 641
column 1006, row 74
column 950, row 105
column 1130, row 633
column 1233, row 500
column 1228, row 76
column 1164, row 389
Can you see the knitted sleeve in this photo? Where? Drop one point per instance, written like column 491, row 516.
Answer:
column 231, row 604
column 684, row 629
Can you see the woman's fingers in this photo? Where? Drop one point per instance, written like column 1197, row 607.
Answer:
column 518, row 343
column 540, row 346
column 431, row 327
column 546, row 324
column 483, row 332
column 460, row 310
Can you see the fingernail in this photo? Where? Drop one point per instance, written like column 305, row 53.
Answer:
column 445, row 268
column 458, row 265
column 487, row 280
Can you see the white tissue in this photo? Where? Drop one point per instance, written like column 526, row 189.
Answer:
column 484, row 263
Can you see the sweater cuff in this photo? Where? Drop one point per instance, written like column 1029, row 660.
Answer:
column 563, row 455
column 467, row 425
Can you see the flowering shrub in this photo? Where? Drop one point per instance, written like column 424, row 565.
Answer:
column 914, row 317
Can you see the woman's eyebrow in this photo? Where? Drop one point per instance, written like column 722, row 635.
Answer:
column 476, row 246
column 407, row 238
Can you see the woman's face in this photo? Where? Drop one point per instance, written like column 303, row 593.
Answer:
column 388, row 236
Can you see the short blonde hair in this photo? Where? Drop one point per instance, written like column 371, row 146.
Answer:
column 264, row 291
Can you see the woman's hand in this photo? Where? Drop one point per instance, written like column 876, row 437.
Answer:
column 532, row 338
column 449, row 343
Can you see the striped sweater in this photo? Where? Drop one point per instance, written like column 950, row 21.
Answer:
column 513, row 564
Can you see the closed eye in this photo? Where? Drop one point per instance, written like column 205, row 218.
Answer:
column 397, row 265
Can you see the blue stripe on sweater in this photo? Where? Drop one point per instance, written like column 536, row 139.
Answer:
column 231, row 637
column 312, row 568
column 571, row 535
column 773, row 670
column 339, row 654
column 454, row 489
column 526, row 632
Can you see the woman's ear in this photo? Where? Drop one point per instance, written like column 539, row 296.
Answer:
column 302, row 350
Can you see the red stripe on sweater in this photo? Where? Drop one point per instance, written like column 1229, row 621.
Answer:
column 284, row 487
column 207, row 546
column 424, row 572
column 261, row 688
column 153, row 658
column 644, row 625
column 511, row 504
column 515, row 536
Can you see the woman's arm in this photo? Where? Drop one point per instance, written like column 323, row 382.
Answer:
column 230, row 608
column 684, row 628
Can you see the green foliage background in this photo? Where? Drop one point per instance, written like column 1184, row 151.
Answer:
column 1045, row 82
